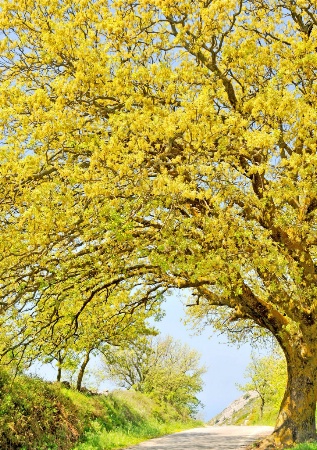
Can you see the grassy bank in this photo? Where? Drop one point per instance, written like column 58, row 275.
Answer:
column 254, row 416
column 37, row 415
column 128, row 418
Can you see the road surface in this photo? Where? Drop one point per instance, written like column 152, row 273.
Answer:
column 208, row 438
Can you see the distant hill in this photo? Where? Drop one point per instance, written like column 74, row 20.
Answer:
column 243, row 411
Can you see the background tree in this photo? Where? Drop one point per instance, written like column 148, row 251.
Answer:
column 165, row 369
column 168, row 145
column 267, row 376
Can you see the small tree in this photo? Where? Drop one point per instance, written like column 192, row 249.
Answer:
column 267, row 377
column 165, row 369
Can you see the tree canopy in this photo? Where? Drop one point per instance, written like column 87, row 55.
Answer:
column 164, row 144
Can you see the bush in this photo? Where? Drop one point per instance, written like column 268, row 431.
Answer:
column 34, row 415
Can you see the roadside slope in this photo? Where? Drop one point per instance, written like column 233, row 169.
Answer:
column 38, row 415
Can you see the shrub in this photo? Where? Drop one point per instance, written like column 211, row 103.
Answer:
column 34, row 415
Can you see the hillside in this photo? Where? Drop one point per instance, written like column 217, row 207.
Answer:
column 38, row 415
column 240, row 412
column 246, row 411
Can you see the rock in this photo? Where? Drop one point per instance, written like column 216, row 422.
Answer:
column 85, row 390
column 229, row 414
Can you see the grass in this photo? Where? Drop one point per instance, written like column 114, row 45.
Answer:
column 37, row 415
column 131, row 418
column 306, row 446
column 250, row 414
column 98, row 438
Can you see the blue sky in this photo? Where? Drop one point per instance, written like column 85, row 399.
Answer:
column 226, row 363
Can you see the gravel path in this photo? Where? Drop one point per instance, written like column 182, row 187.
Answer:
column 211, row 438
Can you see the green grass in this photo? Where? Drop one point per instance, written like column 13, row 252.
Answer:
column 307, row 446
column 250, row 414
column 98, row 438
column 37, row 415
column 130, row 418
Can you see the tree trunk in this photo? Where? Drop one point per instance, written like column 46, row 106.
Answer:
column 59, row 366
column 296, row 420
column 261, row 407
column 82, row 371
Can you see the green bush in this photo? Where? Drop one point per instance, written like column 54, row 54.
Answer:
column 34, row 415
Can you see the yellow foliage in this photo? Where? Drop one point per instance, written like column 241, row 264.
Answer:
column 171, row 144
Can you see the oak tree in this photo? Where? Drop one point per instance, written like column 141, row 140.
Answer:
column 171, row 144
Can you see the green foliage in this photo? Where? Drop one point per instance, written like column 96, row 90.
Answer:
column 306, row 446
column 155, row 145
column 34, row 415
column 37, row 415
column 165, row 369
column 267, row 377
column 103, row 322
column 100, row 439
column 251, row 415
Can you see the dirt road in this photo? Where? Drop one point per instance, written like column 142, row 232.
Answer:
column 208, row 438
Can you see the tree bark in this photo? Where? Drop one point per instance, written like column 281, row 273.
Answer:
column 82, row 370
column 296, row 421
